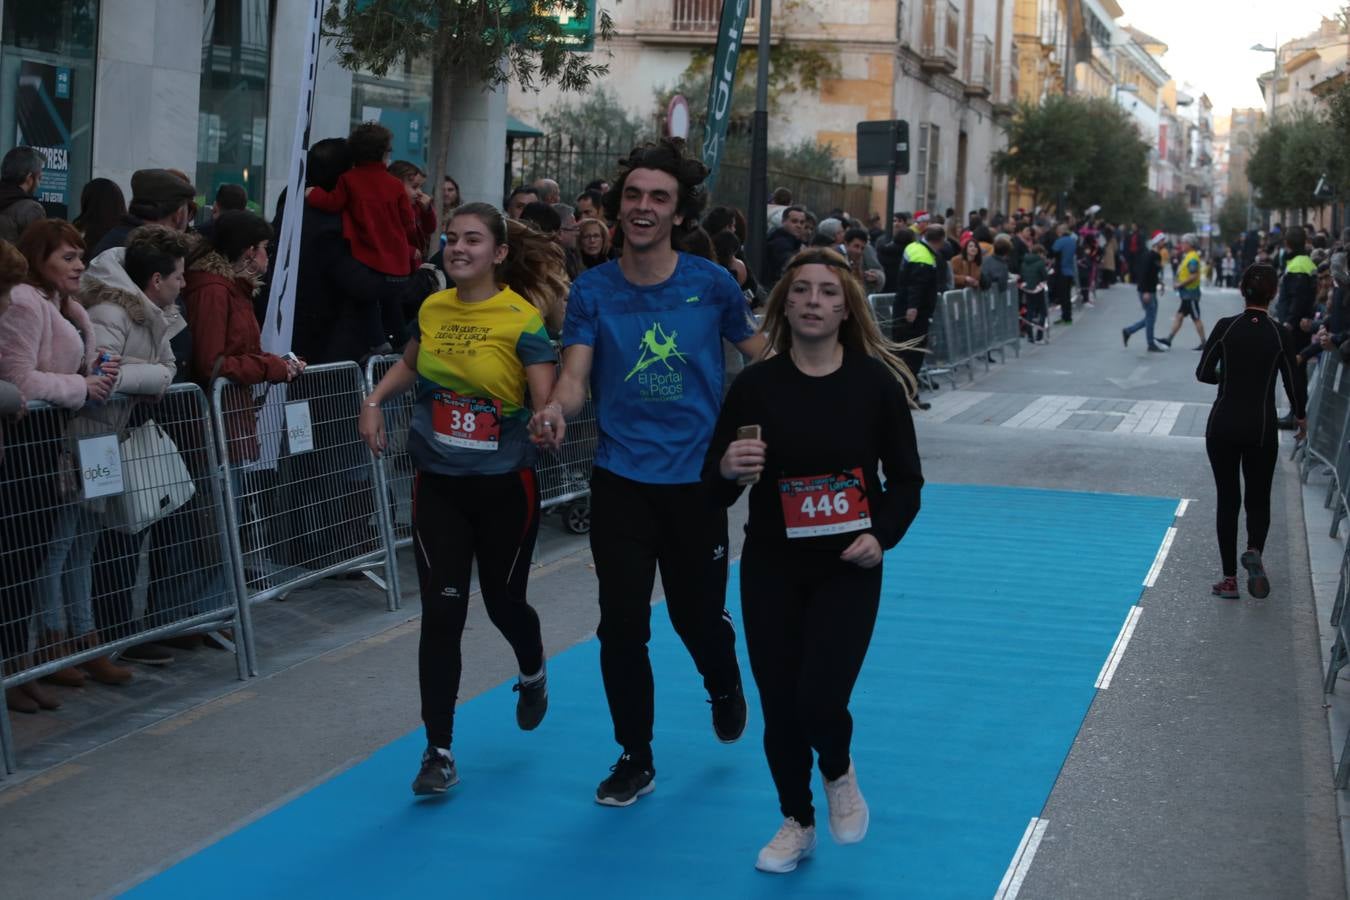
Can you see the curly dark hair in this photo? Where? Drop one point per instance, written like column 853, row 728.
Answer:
column 670, row 156
column 369, row 142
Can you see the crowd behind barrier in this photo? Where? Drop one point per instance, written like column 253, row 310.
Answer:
column 114, row 533
column 969, row 326
column 136, row 521
column 1327, row 447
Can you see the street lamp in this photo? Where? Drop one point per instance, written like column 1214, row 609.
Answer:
column 1275, row 78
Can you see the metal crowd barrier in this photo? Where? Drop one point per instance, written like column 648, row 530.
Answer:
column 968, row 326
column 112, row 533
column 564, row 476
column 302, row 486
column 1328, row 445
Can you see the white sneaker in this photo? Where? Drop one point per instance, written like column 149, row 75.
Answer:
column 789, row 846
column 848, row 809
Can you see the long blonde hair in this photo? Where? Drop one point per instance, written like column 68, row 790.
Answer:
column 535, row 266
column 858, row 332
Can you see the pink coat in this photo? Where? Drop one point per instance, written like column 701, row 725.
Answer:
column 42, row 352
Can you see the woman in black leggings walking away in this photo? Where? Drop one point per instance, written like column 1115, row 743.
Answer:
column 1242, row 356
column 829, row 406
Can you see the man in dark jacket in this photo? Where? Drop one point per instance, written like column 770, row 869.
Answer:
column 1147, row 276
column 1296, row 303
column 340, row 304
column 20, row 172
column 158, row 197
column 917, row 296
column 783, row 244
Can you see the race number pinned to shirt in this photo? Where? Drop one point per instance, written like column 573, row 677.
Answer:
column 299, row 428
column 473, row 423
column 101, row 466
column 818, row 505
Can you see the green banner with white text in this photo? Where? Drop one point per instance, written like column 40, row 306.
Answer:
column 723, row 81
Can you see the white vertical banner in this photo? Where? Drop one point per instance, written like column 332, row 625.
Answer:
column 276, row 329
column 279, row 323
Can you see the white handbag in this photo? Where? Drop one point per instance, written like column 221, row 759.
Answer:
column 155, row 479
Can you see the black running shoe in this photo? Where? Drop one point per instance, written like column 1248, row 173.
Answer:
column 1258, row 584
column 532, row 703
column 728, row 715
column 628, row 780
column 437, row 774
column 1166, row 342
column 1125, row 336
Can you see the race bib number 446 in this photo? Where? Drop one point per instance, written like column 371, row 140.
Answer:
column 818, row 505
column 473, row 423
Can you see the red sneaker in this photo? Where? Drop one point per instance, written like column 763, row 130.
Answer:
column 1227, row 588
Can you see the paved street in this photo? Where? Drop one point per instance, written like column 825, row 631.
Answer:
column 1202, row 770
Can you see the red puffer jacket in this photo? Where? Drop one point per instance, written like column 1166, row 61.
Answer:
column 227, row 343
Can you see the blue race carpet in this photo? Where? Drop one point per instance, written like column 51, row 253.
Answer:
column 998, row 611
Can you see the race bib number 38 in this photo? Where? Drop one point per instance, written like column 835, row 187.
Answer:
column 473, row 423
column 824, row 504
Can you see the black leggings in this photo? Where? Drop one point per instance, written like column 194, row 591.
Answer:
column 1256, row 463
column 493, row 519
column 808, row 622
column 635, row 528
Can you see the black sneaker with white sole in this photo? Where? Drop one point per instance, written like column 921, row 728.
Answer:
column 728, row 715
column 532, row 702
column 437, row 774
column 628, row 780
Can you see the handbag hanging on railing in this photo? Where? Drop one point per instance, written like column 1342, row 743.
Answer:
column 155, row 479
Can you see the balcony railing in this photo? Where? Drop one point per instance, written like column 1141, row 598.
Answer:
column 695, row 15
column 979, row 74
column 694, row 21
column 939, row 47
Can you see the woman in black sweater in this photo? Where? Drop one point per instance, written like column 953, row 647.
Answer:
column 1242, row 356
column 830, row 405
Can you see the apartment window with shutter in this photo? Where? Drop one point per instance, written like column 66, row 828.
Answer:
column 921, row 169
column 930, row 180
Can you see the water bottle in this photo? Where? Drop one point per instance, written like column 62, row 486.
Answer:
column 103, row 356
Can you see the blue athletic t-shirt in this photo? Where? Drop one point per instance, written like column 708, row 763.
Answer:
column 656, row 380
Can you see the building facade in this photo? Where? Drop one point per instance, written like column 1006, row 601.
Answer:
column 209, row 87
column 945, row 66
column 1301, row 65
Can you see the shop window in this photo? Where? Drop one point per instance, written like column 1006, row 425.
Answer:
column 232, row 121
column 47, row 92
column 401, row 102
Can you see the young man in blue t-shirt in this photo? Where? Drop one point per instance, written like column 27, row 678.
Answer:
column 645, row 334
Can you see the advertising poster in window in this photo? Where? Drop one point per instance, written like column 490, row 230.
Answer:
column 44, row 112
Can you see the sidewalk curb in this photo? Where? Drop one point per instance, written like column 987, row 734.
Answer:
column 1324, row 558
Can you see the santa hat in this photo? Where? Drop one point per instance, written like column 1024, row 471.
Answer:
column 1157, row 238
column 920, row 217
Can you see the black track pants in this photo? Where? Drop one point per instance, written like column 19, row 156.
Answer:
column 1256, row 466
column 637, row 528
column 808, row 621
column 493, row 519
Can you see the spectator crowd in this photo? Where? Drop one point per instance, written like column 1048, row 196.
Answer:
column 138, row 294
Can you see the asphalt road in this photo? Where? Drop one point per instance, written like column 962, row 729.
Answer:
column 1204, row 770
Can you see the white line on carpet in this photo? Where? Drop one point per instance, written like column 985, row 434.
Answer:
column 1158, row 560
column 1021, row 861
column 1118, row 649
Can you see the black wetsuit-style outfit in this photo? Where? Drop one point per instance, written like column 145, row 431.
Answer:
column 1242, row 357
column 808, row 614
